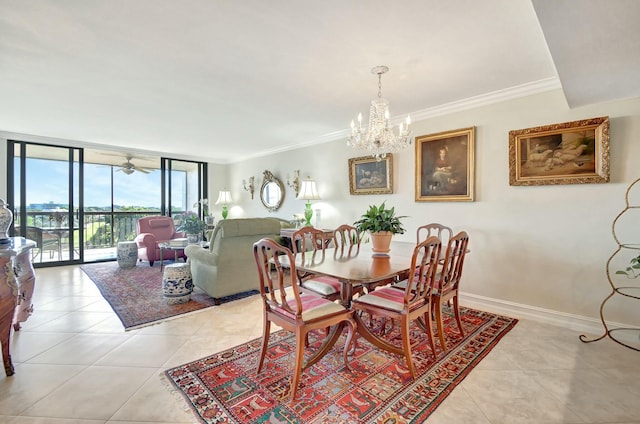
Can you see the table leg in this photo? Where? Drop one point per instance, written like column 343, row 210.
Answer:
column 331, row 339
column 346, row 293
column 373, row 339
column 161, row 259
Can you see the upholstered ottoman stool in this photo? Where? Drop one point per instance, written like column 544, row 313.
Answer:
column 127, row 254
column 177, row 284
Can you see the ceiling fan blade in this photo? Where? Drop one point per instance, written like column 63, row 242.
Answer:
column 143, row 170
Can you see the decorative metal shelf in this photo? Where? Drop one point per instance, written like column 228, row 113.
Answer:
column 626, row 336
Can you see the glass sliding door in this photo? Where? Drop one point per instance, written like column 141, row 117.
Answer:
column 185, row 185
column 45, row 192
column 119, row 189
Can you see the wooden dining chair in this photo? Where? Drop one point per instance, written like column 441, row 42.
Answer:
column 447, row 282
column 346, row 239
column 405, row 306
column 295, row 312
column 443, row 232
column 309, row 240
column 423, row 232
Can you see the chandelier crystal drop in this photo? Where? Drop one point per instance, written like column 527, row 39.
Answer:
column 379, row 137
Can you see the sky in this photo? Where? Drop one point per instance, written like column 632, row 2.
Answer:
column 47, row 181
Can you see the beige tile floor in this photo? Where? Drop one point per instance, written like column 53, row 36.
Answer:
column 75, row 364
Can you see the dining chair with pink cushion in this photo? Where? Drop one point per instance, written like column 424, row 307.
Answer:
column 286, row 307
column 405, row 306
column 152, row 230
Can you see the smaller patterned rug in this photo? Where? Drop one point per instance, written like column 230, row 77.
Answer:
column 224, row 387
column 135, row 294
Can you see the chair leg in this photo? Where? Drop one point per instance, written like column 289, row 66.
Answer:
column 347, row 343
column 456, row 310
column 406, row 344
column 429, row 331
column 443, row 343
column 266, row 328
column 297, row 363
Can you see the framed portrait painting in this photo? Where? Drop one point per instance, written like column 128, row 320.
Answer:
column 445, row 166
column 574, row 152
column 370, row 176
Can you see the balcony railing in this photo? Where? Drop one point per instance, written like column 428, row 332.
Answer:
column 101, row 229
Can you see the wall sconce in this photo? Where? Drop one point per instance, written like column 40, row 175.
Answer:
column 295, row 183
column 250, row 188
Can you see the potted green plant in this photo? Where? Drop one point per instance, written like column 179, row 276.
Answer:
column 382, row 223
column 192, row 225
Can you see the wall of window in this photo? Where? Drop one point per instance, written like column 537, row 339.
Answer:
column 79, row 203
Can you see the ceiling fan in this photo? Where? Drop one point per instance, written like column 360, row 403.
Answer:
column 129, row 168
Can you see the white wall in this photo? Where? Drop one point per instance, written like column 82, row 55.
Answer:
column 542, row 248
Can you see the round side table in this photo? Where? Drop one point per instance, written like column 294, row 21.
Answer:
column 177, row 284
column 127, row 254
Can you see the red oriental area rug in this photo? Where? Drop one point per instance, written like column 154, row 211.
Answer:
column 224, row 387
column 135, row 294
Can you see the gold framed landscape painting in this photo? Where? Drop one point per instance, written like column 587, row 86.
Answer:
column 445, row 166
column 370, row 176
column 574, row 152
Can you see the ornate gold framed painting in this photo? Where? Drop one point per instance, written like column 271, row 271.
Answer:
column 445, row 166
column 370, row 176
column 574, row 152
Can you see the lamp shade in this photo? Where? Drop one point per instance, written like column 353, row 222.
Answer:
column 224, row 198
column 308, row 190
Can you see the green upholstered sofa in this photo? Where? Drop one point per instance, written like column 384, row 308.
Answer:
column 227, row 267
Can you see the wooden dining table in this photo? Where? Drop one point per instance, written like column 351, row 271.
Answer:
column 352, row 266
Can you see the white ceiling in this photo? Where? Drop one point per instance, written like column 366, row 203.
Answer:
column 227, row 80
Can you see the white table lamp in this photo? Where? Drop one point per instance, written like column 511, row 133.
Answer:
column 224, row 199
column 308, row 191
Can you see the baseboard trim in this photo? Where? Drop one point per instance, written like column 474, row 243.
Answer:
column 582, row 324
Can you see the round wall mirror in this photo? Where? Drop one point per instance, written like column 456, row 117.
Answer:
column 271, row 192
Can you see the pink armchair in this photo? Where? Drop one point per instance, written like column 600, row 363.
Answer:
column 152, row 230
